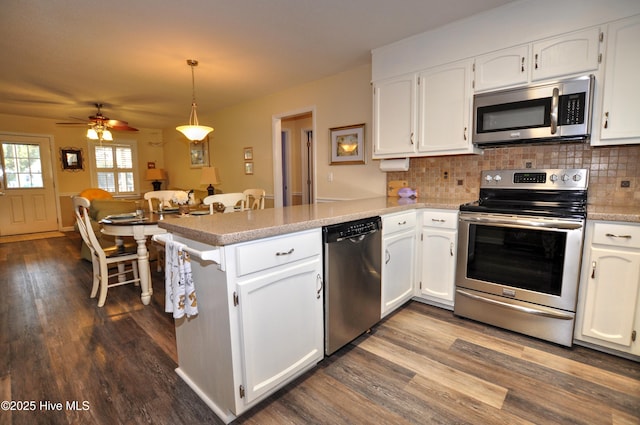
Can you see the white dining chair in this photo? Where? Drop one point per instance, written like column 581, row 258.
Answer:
column 102, row 258
column 229, row 200
column 254, row 199
column 164, row 197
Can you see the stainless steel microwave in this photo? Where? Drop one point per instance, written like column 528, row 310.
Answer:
column 557, row 111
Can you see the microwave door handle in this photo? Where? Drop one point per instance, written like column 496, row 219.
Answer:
column 554, row 110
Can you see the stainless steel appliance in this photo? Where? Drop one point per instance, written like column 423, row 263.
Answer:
column 519, row 251
column 545, row 112
column 352, row 262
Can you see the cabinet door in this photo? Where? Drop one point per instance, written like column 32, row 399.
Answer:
column 504, row 68
column 620, row 108
column 438, row 264
column 397, row 270
column 281, row 324
column 568, row 54
column 611, row 297
column 444, row 95
column 394, row 117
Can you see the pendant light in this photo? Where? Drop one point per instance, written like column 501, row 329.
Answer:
column 193, row 131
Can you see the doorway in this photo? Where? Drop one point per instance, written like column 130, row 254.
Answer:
column 27, row 190
column 294, row 158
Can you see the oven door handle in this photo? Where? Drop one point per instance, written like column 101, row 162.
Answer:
column 519, row 308
column 523, row 223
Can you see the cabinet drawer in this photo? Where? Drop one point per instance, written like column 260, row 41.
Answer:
column 623, row 235
column 441, row 219
column 272, row 252
column 398, row 222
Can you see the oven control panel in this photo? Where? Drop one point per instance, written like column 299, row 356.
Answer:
column 556, row 178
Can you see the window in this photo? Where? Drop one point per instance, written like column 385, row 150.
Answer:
column 114, row 169
column 22, row 165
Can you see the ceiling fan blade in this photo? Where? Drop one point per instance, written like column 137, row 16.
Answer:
column 72, row 123
column 121, row 127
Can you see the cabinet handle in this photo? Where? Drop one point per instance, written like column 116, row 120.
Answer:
column 285, row 253
column 319, row 279
column 611, row 235
column 438, row 220
column 464, row 134
column 593, row 270
column 387, row 256
column 606, row 120
column 451, row 249
column 411, row 138
column 536, row 65
column 522, row 65
column 402, row 223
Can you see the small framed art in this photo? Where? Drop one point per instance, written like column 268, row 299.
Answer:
column 71, row 159
column 199, row 153
column 347, row 145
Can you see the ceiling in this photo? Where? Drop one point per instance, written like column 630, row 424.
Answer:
column 62, row 56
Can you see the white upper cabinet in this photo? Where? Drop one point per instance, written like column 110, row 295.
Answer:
column 394, row 110
column 508, row 67
column 619, row 121
column 573, row 53
column 444, row 99
column 552, row 58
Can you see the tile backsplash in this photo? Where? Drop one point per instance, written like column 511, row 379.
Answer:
column 459, row 176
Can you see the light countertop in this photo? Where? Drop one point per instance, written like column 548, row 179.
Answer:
column 225, row 229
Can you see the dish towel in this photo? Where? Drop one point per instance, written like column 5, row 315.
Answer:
column 180, row 298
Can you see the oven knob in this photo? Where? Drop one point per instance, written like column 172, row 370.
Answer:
column 497, row 178
column 565, row 177
column 553, row 177
column 488, row 178
column 577, row 177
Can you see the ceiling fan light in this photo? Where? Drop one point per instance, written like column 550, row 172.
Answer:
column 92, row 134
column 106, row 135
column 194, row 132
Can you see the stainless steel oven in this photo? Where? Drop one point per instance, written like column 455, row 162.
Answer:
column 519, row 251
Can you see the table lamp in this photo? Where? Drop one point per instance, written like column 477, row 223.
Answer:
column 155, row 174
column 209, row 175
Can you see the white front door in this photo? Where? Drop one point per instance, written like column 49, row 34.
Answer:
column 27, row 192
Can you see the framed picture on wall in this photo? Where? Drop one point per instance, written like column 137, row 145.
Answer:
column 347, row 145
column 248, row 154
column 199, row 153
column 71, row 159
column 248, row 167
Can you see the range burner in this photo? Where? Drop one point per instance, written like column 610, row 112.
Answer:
column 542, row 193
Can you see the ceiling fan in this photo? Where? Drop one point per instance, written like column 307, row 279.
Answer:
column 99, row 125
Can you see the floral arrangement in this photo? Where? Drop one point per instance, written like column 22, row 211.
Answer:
column 180, row 198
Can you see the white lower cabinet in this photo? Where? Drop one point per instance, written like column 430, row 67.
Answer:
column 438, row 252
column 398, row 259
column 608, row 312
column 260, row 320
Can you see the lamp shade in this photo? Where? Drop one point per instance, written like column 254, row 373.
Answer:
column 154, row 174
column 209, row 176
column 194, row 132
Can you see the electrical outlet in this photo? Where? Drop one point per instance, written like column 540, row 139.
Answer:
column 625, row 183
column 528, row 164
column 446, row 175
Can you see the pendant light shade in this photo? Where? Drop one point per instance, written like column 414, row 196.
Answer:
column 194, row 131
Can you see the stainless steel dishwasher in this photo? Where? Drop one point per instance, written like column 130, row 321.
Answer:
column 352, row 261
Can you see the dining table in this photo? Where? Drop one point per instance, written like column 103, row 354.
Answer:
column 141, row 227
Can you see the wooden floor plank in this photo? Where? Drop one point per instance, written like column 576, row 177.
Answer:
column 421, row 365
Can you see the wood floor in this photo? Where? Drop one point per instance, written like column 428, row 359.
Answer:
column 420, row 366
